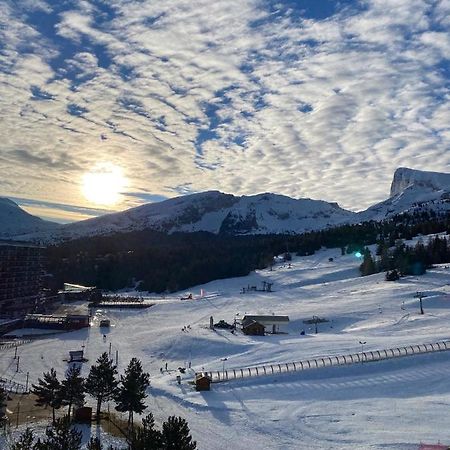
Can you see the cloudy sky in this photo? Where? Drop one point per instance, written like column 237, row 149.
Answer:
column 307, row 98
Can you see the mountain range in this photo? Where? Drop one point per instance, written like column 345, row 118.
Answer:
column 216, row 212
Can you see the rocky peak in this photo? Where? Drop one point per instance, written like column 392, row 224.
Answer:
column 404, row 178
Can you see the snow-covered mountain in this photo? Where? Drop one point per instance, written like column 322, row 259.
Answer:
column 412, row 191
column 215, row 212
column 14, row 220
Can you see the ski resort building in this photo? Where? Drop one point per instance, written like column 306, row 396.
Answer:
column 76, row 292
column 272, row 324
column 21, row 269
column 57, row 322
column 252, row 328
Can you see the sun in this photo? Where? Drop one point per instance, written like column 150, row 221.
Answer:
column 103, row 184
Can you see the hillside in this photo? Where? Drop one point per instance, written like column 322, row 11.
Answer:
column 213, row 212
column 15, row 221
column 390, row 405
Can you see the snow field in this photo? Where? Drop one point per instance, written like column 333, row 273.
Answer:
column 393, row 404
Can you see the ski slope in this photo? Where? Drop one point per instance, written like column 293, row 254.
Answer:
column 392, row 404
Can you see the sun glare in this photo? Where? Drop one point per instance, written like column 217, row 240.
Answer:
column 103, row 184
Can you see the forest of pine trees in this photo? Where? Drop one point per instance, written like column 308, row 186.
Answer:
column 102, row 384
column 158, row 262
column 400, row 259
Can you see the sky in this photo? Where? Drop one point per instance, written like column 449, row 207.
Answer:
column 309, row 98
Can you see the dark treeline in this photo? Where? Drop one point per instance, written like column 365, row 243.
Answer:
column 400, row 259
column 168, row 263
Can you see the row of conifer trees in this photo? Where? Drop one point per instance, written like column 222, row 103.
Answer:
column 102, row 384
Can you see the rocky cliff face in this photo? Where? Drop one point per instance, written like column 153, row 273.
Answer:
column 412, row 191
column 405, row 178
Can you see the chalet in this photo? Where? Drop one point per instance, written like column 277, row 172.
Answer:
column 274, row 324
column 253, row 328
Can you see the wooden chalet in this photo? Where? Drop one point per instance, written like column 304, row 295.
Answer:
column 273, row 324
column 253, row 328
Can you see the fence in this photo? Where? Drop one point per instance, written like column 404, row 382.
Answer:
column 11, row 344
column 327, row 361
column 13, row 386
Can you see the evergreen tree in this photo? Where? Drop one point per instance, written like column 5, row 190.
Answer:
column 48, row 391
column 176, row 435
column 368, row 265
column 72, row 389
column 25, row 441
column 3, row 400
column 101, row 382
column 146, row 437
column 94, row 444
column 61, row 436
column 131, row 392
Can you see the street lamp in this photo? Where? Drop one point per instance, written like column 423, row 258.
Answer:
column 223, row 366
column 362, row 349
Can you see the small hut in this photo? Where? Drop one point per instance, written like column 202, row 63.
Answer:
column 202, row 382
column 253, row 328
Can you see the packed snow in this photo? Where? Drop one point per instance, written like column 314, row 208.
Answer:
column 391, row 404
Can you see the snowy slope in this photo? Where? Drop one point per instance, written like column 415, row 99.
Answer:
column 215, row 212
column 14, row 220
column 387, row 405
column 412, row 190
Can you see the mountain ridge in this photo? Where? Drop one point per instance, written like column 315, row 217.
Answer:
column 15, row 221
column 412, row 190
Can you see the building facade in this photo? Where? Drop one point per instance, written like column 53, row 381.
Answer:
column 21, row 270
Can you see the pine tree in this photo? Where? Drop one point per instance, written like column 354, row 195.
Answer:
column 146, row 437
column 368, row 266
column 94, row 444
column 73, row 389
column 131, row 392
column 48, row 391
column 101, row 382
column 25, row 441
column 61, row 436
column 3, row 400
column 176, row 435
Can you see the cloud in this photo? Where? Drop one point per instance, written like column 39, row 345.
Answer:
column 242, row 96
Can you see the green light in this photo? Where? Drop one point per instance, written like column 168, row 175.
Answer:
column 358, row 254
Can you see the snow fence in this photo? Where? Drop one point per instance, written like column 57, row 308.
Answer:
column 326, row 361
